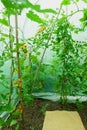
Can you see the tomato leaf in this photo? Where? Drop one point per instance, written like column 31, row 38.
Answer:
column 34, row 17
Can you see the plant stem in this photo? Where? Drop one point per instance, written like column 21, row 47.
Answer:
column 63, row 80
column 30, row 68
column 50, row 35
column 19, row 70
column 75, row 4
column 12, row 62
column 70, row 15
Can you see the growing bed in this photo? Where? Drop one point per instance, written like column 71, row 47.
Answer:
column 34, row 115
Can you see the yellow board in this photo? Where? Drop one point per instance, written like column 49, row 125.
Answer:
column 62, row 120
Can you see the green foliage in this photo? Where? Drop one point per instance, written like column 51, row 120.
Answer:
column 38, row 9
column 79, row 104
column 44, row 108
column 4, row 22
column 77, row 0
column 15, row 4
column 34, row 17
column 17, row 127
column 1, row 122
column 84, row 18
column 65, row 75
column 13, row 122
column 19, row 5
column 8, row 4
column 66, row 2
column 32, row 128
column 85, row 1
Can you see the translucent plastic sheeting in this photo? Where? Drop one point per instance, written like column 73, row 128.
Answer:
column 55, row 97
column 5, row 114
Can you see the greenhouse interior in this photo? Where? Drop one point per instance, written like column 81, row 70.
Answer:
column 43, row 65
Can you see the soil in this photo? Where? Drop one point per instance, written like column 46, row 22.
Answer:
column 34, row 115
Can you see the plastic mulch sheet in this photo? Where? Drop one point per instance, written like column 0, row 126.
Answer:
column 62, row 120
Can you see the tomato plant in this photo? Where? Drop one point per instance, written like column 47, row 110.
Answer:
column 23, row 69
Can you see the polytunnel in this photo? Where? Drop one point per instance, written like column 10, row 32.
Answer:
column 43, row 64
